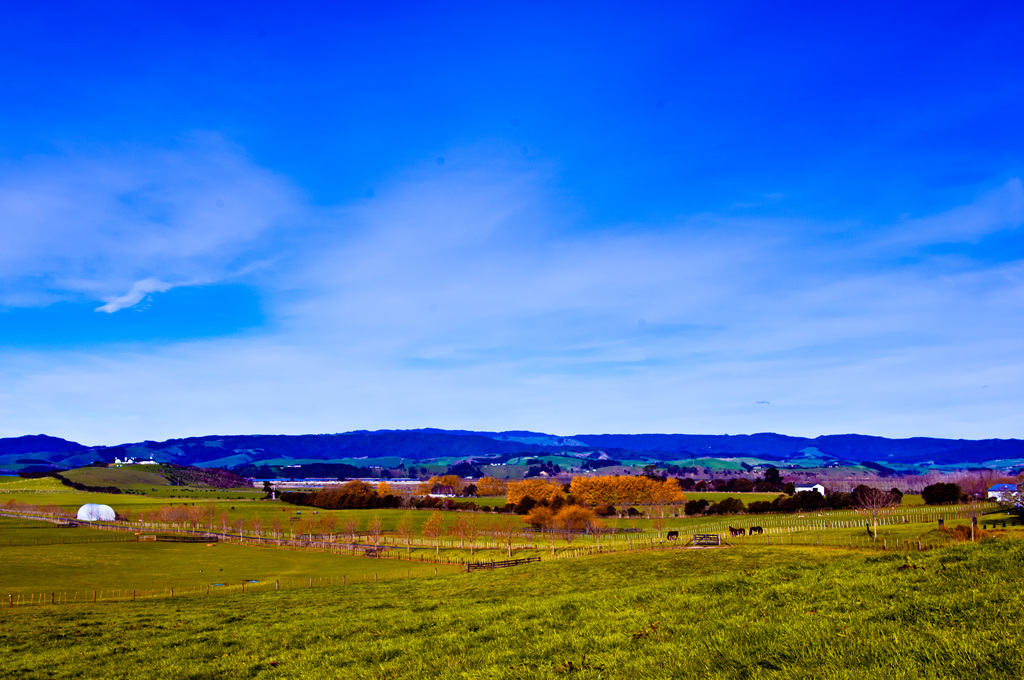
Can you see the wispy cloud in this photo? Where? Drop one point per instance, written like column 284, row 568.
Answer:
column 94, row 225
column 997, row 210
column 139, row 290
column 469, row 295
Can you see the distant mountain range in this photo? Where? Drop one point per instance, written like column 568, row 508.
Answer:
column 398, row 448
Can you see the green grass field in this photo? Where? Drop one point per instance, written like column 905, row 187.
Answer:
column 753, row 613
column 119, row 477
column 83, row 567
column 813, row 596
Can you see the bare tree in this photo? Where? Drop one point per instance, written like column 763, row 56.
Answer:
column 874, row 503
column 375, row 528
column 433, row 528
column 351, row 525
column 327, row 523
column 508, row 527
column 658, row 518
column 256, row 524
column 572, row 520
column 404, row 531
column 541, row 518
column 596, row 526
column 195, row 516
column 1017, row 497
column 459, row 528
column 472, row 530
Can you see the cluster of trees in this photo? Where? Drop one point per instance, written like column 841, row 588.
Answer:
column 31, row 508
column 186, row 475
column 625, row 490
column 466, row 527
column 566, row 522
column 85, row 487
column 427, row 502
column 436, row 483
column 353, row 495
column 771, row 481
column 812, row 500
column 943, row 494
column 545, row 466
column 536, row 489
column 489, row 486
column 726, row 506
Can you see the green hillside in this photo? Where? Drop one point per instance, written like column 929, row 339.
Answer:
column 121, row 477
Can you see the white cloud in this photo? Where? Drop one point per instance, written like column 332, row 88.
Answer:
column 92, row 225
column 999, row 209
column 473, row 298
column 140, row 289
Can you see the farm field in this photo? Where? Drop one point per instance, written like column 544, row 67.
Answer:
column 758, row 612
column 128, row 565
column 120, row 477
column 911, row 520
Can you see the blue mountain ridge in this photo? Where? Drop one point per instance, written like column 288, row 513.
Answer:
column 430, row 444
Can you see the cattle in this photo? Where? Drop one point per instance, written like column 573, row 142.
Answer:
column 673, row 536
column 756, row 530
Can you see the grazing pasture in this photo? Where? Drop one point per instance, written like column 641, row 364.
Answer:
column 119, row 477
column 806, row 596
column 728, row 613
column 151, row 566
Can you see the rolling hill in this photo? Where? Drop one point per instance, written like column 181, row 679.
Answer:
column 351, row 451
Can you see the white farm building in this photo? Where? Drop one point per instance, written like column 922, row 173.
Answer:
column 92, row 512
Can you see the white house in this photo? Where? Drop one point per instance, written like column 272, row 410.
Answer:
column 820, row 488
column 1002, row 493
column 131, row 461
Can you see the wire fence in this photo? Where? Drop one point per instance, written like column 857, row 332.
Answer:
column 53, row 597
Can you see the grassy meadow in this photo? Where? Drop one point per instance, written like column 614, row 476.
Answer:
column 813, row 596
column 754, row 613
column 117, row 562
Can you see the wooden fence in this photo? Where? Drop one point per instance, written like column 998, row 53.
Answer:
column 473, row 566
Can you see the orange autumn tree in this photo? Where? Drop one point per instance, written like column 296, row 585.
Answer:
column 572, row 520
column 489, row 486
column 537, row 489
column 625, row 490
column 445, row 480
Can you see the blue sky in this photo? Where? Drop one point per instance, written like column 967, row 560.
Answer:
column 589, row 217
